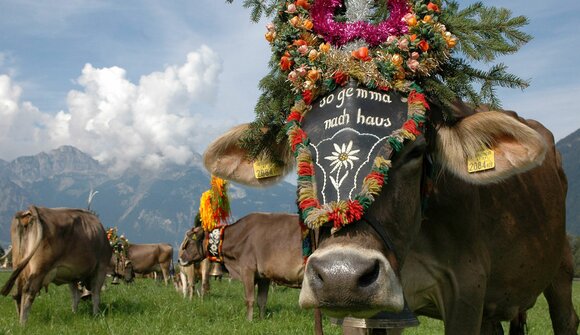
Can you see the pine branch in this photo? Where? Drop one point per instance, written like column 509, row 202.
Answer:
column 485, row 32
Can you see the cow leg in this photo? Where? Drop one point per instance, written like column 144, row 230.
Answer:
column 263, row 287
column 165, row 272
column 518, row 325
column 76, row 296
column 204, row 277
column 184, row 284
column 491, row 328
column 96, row 286
column 29, row 293
column 559, row 297
column 249, row 285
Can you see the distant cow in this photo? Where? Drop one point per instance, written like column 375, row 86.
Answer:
column 56, row 245
column 257, row 249
column 6, row 259
column 149, row 258
column 190, row 274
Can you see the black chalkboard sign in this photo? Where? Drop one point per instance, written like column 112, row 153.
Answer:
column 347, row 127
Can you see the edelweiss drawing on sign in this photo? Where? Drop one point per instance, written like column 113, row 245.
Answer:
column 340, row 158
column 341, row 172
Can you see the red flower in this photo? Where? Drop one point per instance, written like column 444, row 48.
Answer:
column 433, row 7
column 423, row 45
column 307, row 96
column 294, row 116
column 411, row 126
column 340, row 78
column 286, row 63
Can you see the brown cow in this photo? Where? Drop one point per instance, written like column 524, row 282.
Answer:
column 150, row 258
column 483, row 249
column 258, row 249
column 192, row 273
column 57, row 245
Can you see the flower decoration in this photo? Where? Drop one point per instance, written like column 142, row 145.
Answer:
column 318, row 53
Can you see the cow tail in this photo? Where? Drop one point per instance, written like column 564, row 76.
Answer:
column 22, row 264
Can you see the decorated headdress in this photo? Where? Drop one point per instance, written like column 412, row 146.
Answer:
column 420, row 50
column 214, row 204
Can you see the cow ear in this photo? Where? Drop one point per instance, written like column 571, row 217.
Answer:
column 225, row 158
column 516, row 147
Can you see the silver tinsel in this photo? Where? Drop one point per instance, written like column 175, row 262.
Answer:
column 357, row 10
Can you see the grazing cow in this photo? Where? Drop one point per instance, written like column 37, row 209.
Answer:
column 150, row 258
column 119, row 267
column 257, row 249
column 482, row 250
column 192, row 273
column 56, row 245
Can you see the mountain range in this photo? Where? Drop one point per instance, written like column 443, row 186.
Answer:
column 569, row 147
column 146, row 207
column 159, row 206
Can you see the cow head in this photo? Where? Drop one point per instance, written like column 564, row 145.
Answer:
column 191, row 249
column 122, row 268
column 356, row 270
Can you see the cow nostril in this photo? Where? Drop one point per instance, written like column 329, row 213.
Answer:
column 371, row 275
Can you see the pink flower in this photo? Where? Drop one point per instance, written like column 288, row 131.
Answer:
column 403, row 44
column 303, row 49
column 415, row 55
column 292, row 76
column 291, row 9
column 302, row 71
column 270, row 26
column 412, row 64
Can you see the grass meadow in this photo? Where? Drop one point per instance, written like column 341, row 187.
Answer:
column 149, row 307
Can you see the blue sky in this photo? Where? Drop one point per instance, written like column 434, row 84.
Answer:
column 146, row 82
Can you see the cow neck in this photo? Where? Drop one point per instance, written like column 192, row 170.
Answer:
column 213, row 243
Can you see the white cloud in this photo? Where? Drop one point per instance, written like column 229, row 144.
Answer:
column 116, row 121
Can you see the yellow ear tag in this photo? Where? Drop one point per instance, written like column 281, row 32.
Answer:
column 483, row 160
column 266, row 169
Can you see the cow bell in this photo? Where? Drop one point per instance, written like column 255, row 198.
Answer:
column 216, row 270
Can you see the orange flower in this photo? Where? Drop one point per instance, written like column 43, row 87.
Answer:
column 413, row 37
column 433, row 7
column 270, row 36
column 299, row 43
column 397, row 59
column 324, row 47
column 313, row 75
column 303, row 3
column 423, row 45
column 361, row 53
column 294, row 21
column 451, row 42
column 307, row 24
column 410, row 19
column 427, row 18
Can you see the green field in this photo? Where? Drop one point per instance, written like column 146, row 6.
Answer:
column 148, row 307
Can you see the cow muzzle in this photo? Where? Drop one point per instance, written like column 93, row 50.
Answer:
column 350, row 281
